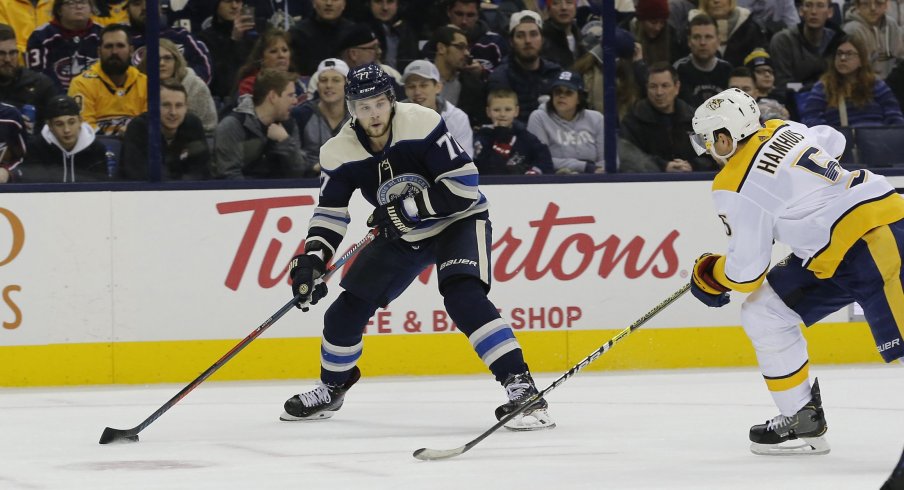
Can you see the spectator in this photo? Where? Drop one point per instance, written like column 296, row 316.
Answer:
column 884, row 39
column 743, row 78
column 317, row 38
column 111, row 92
column 321, row 118
column 12, row 143
column 460, row 74
column 658, row 39
column 423, row 87
column 229, row 38
column 24, row 16
column 186, row 155
column 20, row 86
column 800, row 54
column 629, row 68
column 66, row 150
column 561, row 36
column 270, row 52
column 200, row 102
column 737, row 30
column 679, row 11
column 506, row 147
column 360, row 47
column 525, row 71
column 487, row 47
column 111, row 12
column 398, row 39
column 260, row 139
column 895, row 82
column 659, row 124
column 573, row 133
column 850, row 94
column 702, row 74
column 760, row 65
column 774, row 15
column 67, row 45
column 193, row 50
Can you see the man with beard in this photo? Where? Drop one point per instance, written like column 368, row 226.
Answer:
column 194, row 51
column 20, row 86
column 111, row 92
column 525, row 72
column 259, row 139
column 67, row 45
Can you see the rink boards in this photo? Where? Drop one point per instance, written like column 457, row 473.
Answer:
column 154, row 286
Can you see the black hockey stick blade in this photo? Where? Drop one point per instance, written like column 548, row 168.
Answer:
column 112, row 435
column 425, row 454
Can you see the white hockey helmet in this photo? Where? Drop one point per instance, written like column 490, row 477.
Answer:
column 732, row 110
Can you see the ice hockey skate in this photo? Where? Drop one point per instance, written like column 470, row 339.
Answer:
column 806, row 427
column 895, row 481
column 519, row 387
column 320, row 403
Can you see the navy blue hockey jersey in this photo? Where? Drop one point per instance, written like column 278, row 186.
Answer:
column 421, row 159
column 12, row 139
column 62, row 54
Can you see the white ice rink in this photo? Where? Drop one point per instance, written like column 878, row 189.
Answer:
column 640, row 430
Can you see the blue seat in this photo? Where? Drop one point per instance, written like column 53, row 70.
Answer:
column 880, row 146
column 848, row 158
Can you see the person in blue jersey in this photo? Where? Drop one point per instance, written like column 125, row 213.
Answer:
column 427, row 211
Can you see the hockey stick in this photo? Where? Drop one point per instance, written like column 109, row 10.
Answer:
column 131, row 435
column 426, row 454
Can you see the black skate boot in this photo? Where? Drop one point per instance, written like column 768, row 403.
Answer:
column 895, row 481
column 808, row 424
column 519, row 387
column 320, row 403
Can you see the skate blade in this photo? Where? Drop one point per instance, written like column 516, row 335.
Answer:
column 287, row 417
column 807, row 446
column 536, row 420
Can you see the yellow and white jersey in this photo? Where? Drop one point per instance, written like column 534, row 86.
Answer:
column 785, row 184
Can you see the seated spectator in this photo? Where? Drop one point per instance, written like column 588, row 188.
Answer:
column 360, row 47
column 317, row 38
column 24, row 17
column 506, row 147
column 184, row 149
column 800, row 54
column 630, row 69
column 573, row 133
column 850, row 94
column 774, row 15
column 12, row 143
column 110, row 12
column 461, row 74
column 66, row 150
column 67, row 45
column 658, row 40
column 270, row 52
column 760, row 65
column 200, row 102
column 678, row 13
column 488, row 48
column 702, row 74
column 658, row 125
column 112, row 91
column 321, row 118
column 525, row 71
column 19, row 86
column 561, row 34
column 398, row 39
column 883, row 38
column 737, row 30
column 229, row 38
column 194, row 51
column 743, row 78
column 423, row 87
column 259, row 140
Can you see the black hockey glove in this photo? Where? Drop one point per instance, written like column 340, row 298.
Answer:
column 704, row 286
column 306, row 271
column 391, row 220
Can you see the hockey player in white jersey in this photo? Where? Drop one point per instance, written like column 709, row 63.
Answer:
column 782, row 182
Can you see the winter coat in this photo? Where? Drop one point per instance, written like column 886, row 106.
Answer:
column 227, row 56
column 510, row 151
column 576, row 145
column 47, row 161
column 797, row 61
column 885, row 43
column 29, row 87
column 186, row 157
column 747, row 34
column 663, row 136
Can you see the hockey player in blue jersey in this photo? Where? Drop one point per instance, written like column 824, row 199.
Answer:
column 428, row 211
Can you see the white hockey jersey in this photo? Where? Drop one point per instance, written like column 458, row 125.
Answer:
column 785, row 184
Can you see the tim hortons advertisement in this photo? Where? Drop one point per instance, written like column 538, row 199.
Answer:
column 185, row 265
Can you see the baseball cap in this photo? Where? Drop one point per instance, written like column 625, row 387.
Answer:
column 61, row 105
column 568, row 79
column 357, row 35
column 524, row 16
column 757, row 57
column 421, row 68
column 331, row 64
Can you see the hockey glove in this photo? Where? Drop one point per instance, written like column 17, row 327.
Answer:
column 306, row 271
column 391, row 220
column 704, row 286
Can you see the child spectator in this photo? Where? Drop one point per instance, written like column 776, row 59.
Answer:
column 506, row 147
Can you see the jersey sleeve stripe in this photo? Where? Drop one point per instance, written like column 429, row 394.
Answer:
column 464, row 191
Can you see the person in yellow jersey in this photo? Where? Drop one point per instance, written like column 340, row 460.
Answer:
column 781, row 182
column 111, row 92
column 24, row 16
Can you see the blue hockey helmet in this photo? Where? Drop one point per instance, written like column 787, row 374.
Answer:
column 368, row 81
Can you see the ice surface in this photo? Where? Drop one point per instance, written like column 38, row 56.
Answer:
column 616, row 430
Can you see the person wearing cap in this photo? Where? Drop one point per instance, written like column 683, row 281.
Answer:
column 525, row 71
column 67, row 149
column 462, row 85
column 423, row 87
column 702, row 73
column 488, row 48
column 573, row 133
column 561, row 36
column 360, row 47
column 12, row 143
column 659, row 40
column 317, row 38
column 321, row 118
column 800, row 54
column 760, row 65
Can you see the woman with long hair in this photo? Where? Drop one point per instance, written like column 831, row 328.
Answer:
column 271, row 51
column 200, row 102
column 850, row 94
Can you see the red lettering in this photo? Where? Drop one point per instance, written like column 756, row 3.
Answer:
column 383, row 319
column 573, row 314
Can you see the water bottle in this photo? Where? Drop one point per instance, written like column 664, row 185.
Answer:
column 30, row 115
column 111, row 164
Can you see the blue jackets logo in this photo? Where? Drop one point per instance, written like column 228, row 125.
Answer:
column 400, row 187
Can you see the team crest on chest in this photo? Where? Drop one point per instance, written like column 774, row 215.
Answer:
column 401, row 186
